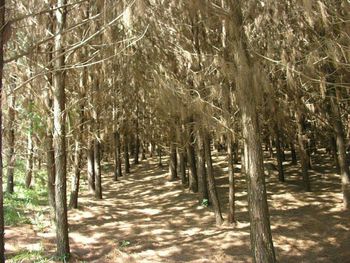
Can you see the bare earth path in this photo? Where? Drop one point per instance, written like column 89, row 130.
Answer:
column 144, row 218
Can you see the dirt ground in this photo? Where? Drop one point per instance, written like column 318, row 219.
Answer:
column 145, row 218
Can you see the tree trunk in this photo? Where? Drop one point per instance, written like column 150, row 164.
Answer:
column 30, row 153
column 91, row 165
column 11, row 158
column 341, row 150
column 304, row 159
column 333, row 145
column 2, row 230
column 159, row 152
column 293, row 153
column 182, row 165
column 192, row 178
column 126, row 155
column 202, row 175
column 137, row 150
column 97, row 166
column 143, row 151
column 231, row 180
column 211, row 180
column 117, row 157
column 59, row 137
column 172, row 163
column 279, row 154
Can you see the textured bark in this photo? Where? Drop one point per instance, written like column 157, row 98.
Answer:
column 117, row 157
column 293, row 153
column 304, row 158
column 59, row 137
column 11, row 158
column 2, row 24
column 172, row 163
column 159, row 153
column 97, row 166
column 211, row 180
column 231, row 180
column 182, row 165
column 201, row 170
column 137, row 149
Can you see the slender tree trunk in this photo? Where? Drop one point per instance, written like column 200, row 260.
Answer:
column 30, row 154
column 11, row 158
column 304, row 159
column 97, row 166
column 192, row 178
column 172, row 163
column 143, row 151
column 59, row 136
column 159, row 152
column 91, row 165
column 117, row 157
column 341, row 150
column 333, row 145
column 2, row 230
column 182, row 165
column 293, row 153
column 231, row 180
column 202, row 174
column 126, row 155
column 137, row 149
column 211, row 180
column 279, row 154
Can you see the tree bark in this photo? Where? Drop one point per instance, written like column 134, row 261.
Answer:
column 304, row 159
column 172, row 163
column 211, row 180
column 30, row 156
column 11, row 158
column 182, row 165
column 59, row 136
column 97, row 166
column 2, row 230
column 126, row 155
column 293, row 153
column 231, row 180
column 279, row 154
column 117, row 157
column 192, row 178
column 201, row 170
column 91, row 165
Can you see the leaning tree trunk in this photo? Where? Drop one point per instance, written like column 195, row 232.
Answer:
column 202, row 174
column 11, row 159
column 59, row 136
column 231, row 179
column 211, row 180
column 2, row 26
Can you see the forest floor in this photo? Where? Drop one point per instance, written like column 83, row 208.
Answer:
column 145, row 218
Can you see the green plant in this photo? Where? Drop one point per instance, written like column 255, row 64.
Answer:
column 124, row 243
column 205, row 202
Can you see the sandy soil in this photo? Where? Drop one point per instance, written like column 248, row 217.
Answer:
column 145, row 218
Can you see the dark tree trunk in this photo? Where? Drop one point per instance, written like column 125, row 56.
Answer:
column 11, row 158
column 159, row 153
column 172, row 163
column 143, row 151
column 304, row 159
column 279, row 154
column 117, row 157
column 211, row 180
column 126, row 155
column 202, row 175
column 137, row 150
column 2, row 230
column 97, row 166
column 192, row 178
column 235, row 152
column 91, row 165
column 59, row 137
column 231, row 180
column 333, row 145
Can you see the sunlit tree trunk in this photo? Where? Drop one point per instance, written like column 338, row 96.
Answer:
column 191, row 157
column 172, row 162
column 97, row 166
column 59, row 136
column 30, row 155
column 231, row 179
column 91, row 165
column 201, row 170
